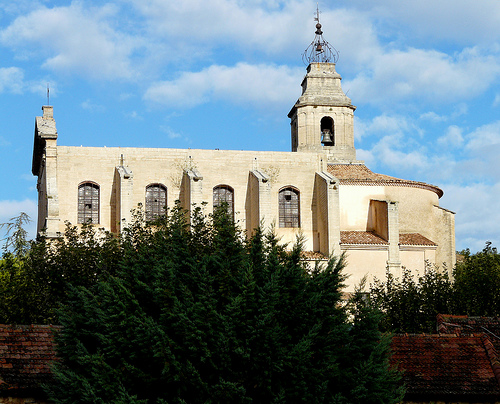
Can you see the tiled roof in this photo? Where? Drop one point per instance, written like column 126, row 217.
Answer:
column 464, row 325
column 415, row 239
column 361, row 237
column 26, row 352
column 352, row 237
column 359, row 174
column 447, row 367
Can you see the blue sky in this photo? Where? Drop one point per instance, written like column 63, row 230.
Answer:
column 425, row 77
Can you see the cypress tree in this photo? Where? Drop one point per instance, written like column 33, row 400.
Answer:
column 194, row 313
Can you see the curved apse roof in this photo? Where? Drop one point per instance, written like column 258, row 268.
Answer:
column 359, row 174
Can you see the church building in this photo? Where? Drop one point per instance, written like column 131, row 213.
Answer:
column 319, row 189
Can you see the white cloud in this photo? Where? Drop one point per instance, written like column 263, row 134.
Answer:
column 28, row 177
column 399, row 159
column 389, row 123
column 366, row 156
column 134, row 115
column 453, row 137
column 460, row 158
column 263, row 86
column 360, row 129
column 462, row 21
column 433, row 117
column 396, row 126
column 12, row 208
column 484, row 137
column 173, row 135
column 74, row 39
column 477, row 211
column 481, row 148
column 11, row 80
column 459, row 109
column 396, row 144
column 425, row 75
column 194, row 24
column 93, row 107
column 170, row 133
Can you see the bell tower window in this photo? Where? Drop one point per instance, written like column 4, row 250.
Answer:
column 327, row 131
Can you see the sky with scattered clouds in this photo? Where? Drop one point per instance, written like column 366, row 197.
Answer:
column 424, row 75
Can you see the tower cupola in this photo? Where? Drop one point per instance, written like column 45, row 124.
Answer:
column 323, row 116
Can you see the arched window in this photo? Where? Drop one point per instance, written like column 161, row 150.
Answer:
column 156, row 201
column 327, row 131
column 88, row 203
column 224, row 194
column 289, row 207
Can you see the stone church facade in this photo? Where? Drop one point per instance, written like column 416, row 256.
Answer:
column 319, row 189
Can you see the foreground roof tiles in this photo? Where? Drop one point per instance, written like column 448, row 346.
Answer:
column 465, row 325
column 26, row 353
column 447, row 367
column 359, row 174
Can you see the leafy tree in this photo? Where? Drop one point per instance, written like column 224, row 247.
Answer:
column 411, row 305
column 81, row 257
column 369, row 381
column 18, row 295
column 193, row 313
column 477, row 283
column 35, row 276
column 16, row 240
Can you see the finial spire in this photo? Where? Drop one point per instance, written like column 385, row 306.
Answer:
column 319, row 51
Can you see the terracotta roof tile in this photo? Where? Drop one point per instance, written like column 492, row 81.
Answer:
column 414, row 239
column 359, row 174
column 465, row 325
column 26, row 352
column 354, row 237
column 361, row 237
column 447, row 367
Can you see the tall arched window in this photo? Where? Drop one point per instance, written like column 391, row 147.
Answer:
column 224, row 194
column 289, row 207
column 88, row 203
column 156, row 201
column 327, row 131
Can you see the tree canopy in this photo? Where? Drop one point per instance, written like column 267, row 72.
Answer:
column 195, row 313
column 477, row 283
column 410, row 304
column 35, row 276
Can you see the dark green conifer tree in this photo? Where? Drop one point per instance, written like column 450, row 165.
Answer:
column 195, row 314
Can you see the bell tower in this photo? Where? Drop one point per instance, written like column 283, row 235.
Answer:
column 322, row 119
